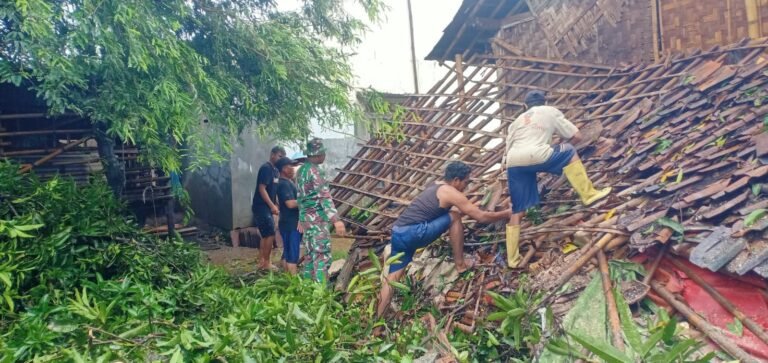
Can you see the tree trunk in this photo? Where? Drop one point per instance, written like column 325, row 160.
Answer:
column 113, row 168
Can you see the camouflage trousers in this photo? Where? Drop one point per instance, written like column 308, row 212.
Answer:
column 317, row 239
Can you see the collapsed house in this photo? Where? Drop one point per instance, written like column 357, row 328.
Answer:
column 682, row 140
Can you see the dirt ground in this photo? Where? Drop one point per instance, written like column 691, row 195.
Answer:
column 240, row 260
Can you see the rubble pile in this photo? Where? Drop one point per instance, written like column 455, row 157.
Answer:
column 682, row 141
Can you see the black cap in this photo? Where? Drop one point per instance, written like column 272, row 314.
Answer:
column 282, row 162
column 535, row 98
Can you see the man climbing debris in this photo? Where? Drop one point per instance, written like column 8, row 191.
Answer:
column 529, row 151
column 316, row 212
column 429, row 216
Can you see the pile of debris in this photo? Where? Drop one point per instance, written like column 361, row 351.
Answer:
column 683, row 142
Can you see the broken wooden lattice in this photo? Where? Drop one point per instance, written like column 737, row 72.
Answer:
column 681, row 141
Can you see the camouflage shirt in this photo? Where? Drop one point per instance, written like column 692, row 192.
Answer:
column 314, row 197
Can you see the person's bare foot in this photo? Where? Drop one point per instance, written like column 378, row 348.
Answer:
column 468, row 264
column 267, row 266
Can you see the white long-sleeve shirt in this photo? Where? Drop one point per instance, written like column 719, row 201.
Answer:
column 529, row 137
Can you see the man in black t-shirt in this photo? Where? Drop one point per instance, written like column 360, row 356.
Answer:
column 289, row 214
column 264, row 205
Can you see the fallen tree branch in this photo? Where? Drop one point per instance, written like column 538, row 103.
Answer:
column 704, row 326
column 749, row 323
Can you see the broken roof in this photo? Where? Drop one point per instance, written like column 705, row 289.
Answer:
column 682, row 141
column 473, row 26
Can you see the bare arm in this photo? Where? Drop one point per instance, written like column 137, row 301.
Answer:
column 292, row 204
column 576, row 138
column 265, row 196
column 460, row 201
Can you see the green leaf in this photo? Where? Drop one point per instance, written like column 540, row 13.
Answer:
column 654, row 339
column 662, row 145
column 29, row 227
column 374, row 259
column 396, row 258
column 9, row 300
column 736, row 327
column 301, row 315
column 754, row 216
column 6, row 279
column 669, row 331
column 501, row 301
column 679, row 176
column 720, row 142
column 400, row 286
column 631, row 332
column 177, row 357
column 676, row 352
column 675, row 226
column 756, row 189
column 499, row 315
column 601, row 349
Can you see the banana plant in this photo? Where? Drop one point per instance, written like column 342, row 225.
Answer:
column 662, row 345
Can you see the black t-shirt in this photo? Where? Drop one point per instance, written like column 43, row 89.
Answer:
column 268, row 176
column 289, row 217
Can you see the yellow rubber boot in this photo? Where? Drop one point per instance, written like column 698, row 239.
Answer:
column 579, row 180
column 513, row 241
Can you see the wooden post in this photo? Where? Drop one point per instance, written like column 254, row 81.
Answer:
column 610, row 300
column 413, row 50
column 655, row 12
column 753, row 18
column 459, row 67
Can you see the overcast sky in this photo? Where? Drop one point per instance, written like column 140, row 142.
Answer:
column 383, row 60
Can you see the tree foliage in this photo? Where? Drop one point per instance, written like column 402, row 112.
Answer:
column 80, row 282
column 153, row 70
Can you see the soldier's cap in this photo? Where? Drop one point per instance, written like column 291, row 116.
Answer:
column 282, row 162
column 315, row 147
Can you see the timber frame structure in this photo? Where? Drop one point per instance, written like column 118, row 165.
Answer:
column 697, row 116
column 683, row 142
column 71, row 146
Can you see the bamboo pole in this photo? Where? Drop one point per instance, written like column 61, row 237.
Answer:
column 656, row 262
column 413, row 49
column 749, row 323
column 704, row 326
column 52, row 155
column 578, row 264
column 655, row 28
column 613, row 312
column 44, row 132
column 753, row 18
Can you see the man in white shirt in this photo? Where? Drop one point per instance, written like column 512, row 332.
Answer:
column 529, row 151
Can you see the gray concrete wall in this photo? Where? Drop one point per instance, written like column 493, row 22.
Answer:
column 222, row 193
column 210, row 191
column 247, row 157
column 338, row 152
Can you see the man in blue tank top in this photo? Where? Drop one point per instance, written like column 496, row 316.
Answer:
column 427, row 217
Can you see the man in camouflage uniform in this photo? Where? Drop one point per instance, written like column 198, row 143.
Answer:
column 316, row 212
